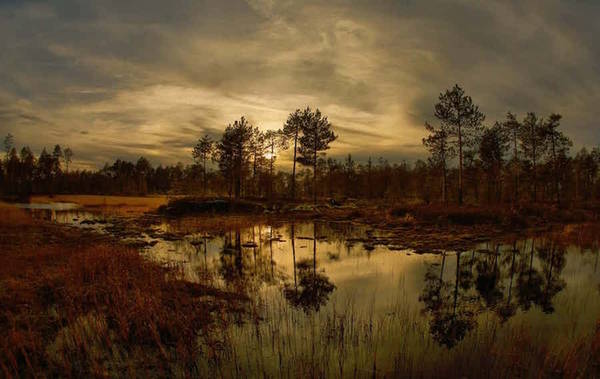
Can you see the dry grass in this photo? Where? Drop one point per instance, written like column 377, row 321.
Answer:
column 80, row 305
column 584, row 235
column 10, row 215
column 351, row 343
column 126, row 204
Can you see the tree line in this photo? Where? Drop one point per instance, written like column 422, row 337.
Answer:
column 513, row 160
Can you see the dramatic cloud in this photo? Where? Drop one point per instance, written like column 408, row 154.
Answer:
column 123, row 79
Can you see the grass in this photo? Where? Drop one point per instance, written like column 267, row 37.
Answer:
column 515, row 217
column 125, row 204
column 81, row 305
column 13, row 216
column 352, row 343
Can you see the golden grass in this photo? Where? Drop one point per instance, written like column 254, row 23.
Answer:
column 11, row 215
column 127, row 204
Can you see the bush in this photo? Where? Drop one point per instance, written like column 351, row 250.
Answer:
column 192, row 205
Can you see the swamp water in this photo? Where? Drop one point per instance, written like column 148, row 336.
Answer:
column 333, row 299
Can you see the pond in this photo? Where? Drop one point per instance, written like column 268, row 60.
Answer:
column 311, row 266
column 63, row 213
column 329, row 295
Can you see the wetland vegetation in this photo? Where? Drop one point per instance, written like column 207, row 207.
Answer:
column 284, row 296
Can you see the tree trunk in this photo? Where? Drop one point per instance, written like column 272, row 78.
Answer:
column 315, row 170
column 271, row 171
column 294, row 167
column 204, row 176
column 555, row 168
column 460, row 167
column 444, row 184
column 533, row 136
column 314, row 249
column 370, row 179
column 315, row 180
column 489, row 189
column 254, row 186
column 516, row 168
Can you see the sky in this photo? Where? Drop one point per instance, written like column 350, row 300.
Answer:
column 121, row 79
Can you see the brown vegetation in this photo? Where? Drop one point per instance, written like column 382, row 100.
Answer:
column 76, row 304
column 124, row 204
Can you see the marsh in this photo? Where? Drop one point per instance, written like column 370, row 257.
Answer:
column 328, row 298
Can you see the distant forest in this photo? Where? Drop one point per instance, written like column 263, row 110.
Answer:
column 520, row 158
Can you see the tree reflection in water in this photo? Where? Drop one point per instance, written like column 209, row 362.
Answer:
column 449, row 305
column 244, row 267
column 503, row 279
column 485, row 281
column 233, row 268
column 508, row 308
column 552, row 256
column 311, row 289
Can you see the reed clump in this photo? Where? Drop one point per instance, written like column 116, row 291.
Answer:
column 345, row 341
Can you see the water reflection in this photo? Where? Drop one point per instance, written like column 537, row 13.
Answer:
column 449, row 306
column 310, row 265
column 244, row 265
column 484, row 281
column 63, row 213
column 313, row 289
column 508, row 308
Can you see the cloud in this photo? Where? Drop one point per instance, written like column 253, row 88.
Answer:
column 124, row 79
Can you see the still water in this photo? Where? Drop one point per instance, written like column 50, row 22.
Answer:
column 311, row 266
